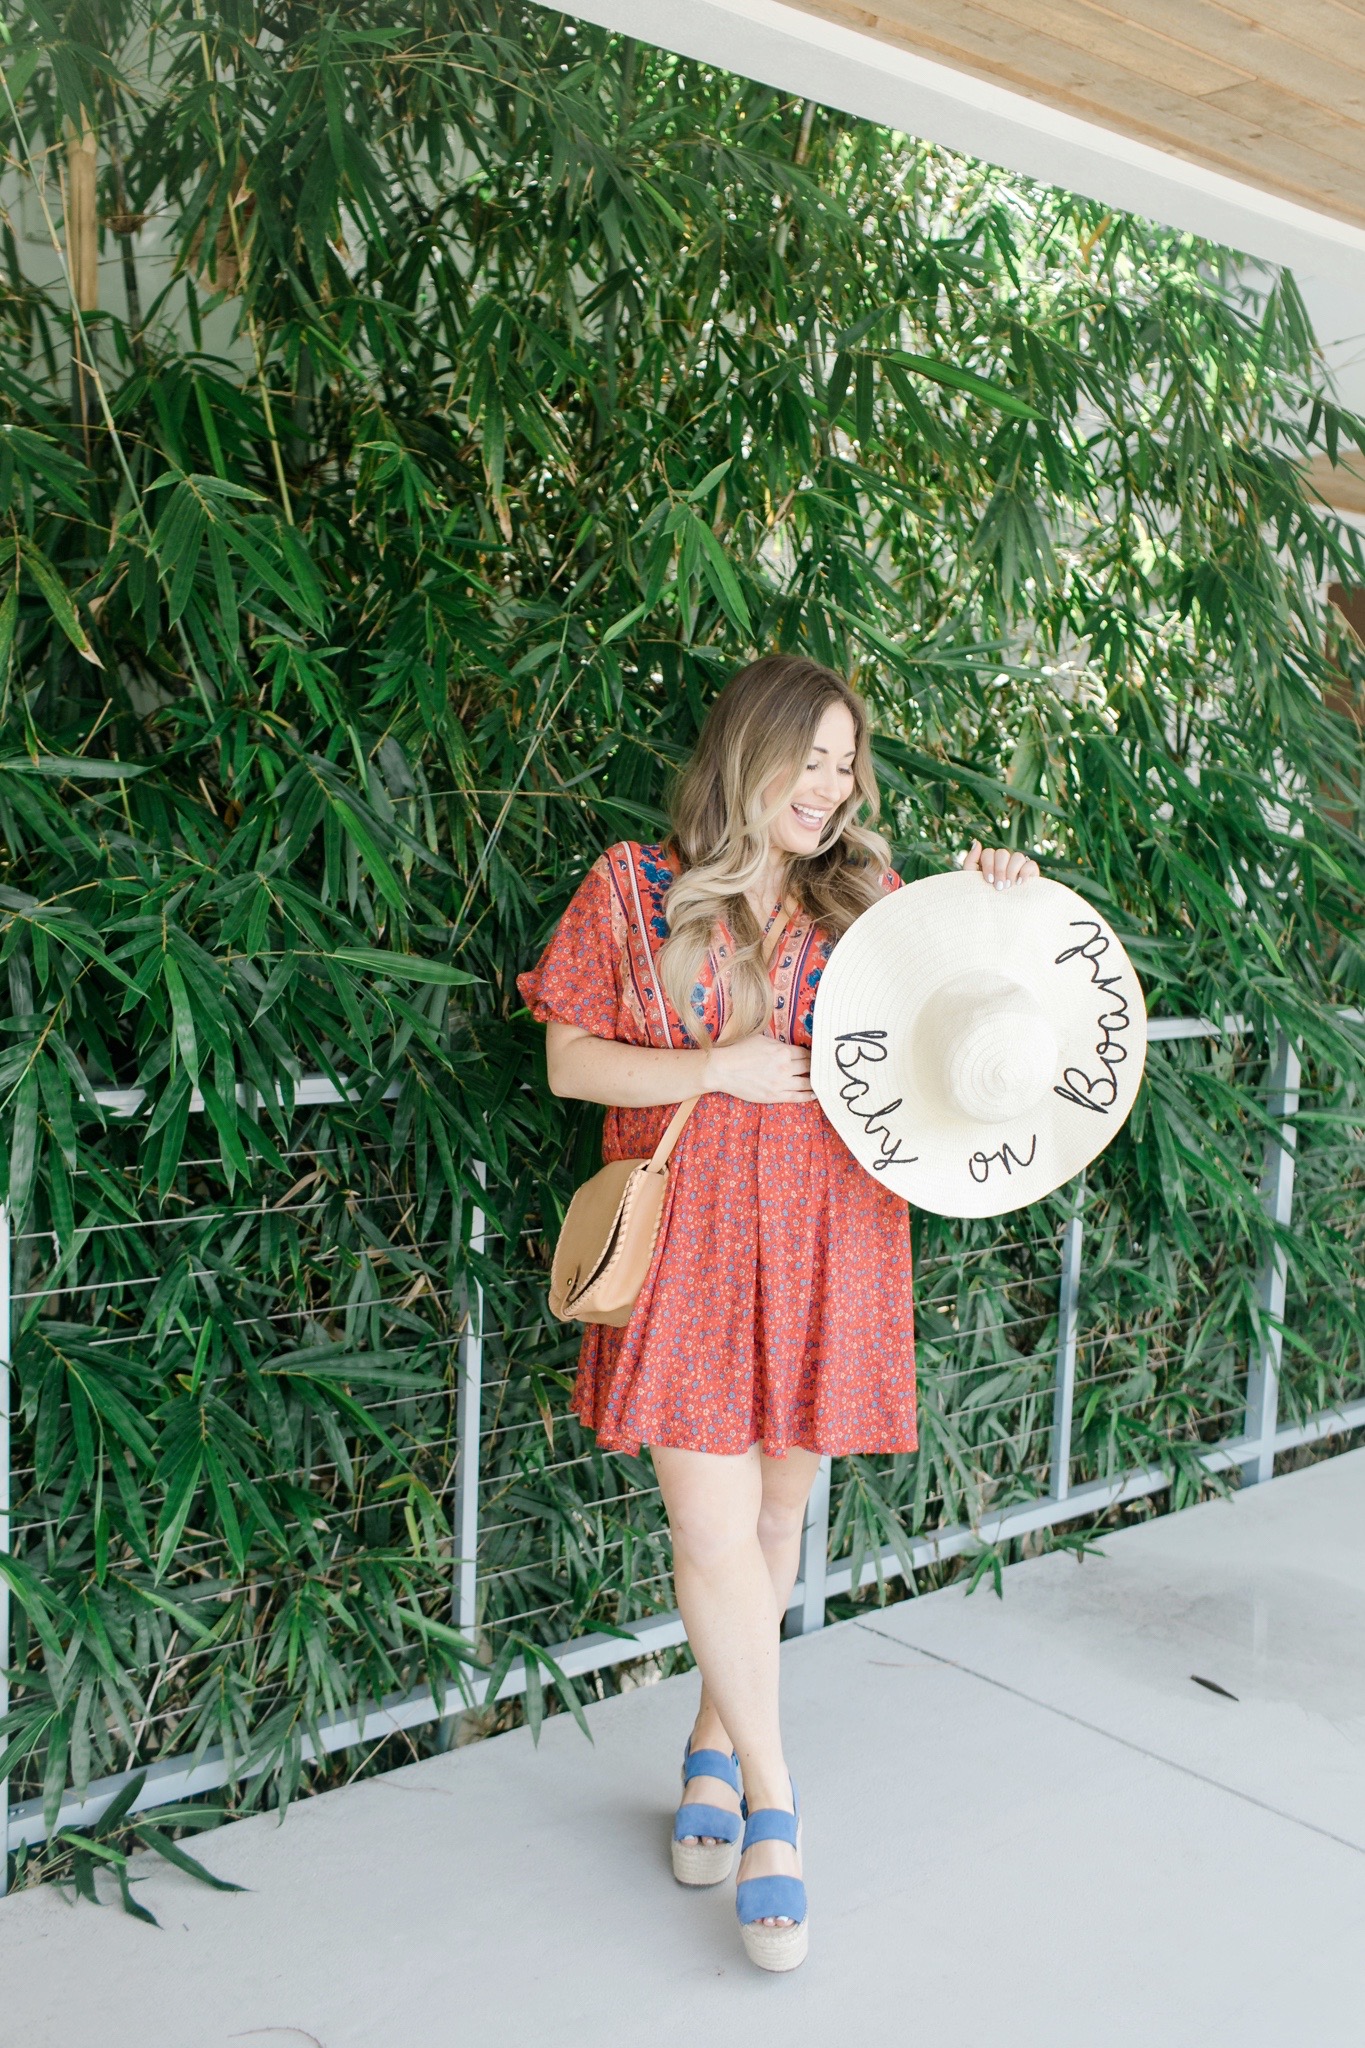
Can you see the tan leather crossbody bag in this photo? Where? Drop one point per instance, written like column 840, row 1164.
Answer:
column 607, row 1242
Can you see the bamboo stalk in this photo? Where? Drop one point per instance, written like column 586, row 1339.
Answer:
column 125, row 225
column 100, row 394
column 241, row 282
column 82, row 256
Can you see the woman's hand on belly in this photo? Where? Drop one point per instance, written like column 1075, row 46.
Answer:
column 761, row 1069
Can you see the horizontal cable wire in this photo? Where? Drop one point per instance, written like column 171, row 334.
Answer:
column 255, row 1209
column 111, row 1286
column 580, row 1507
column 334, row 1311
column 558, row 1606
column 307, row 1476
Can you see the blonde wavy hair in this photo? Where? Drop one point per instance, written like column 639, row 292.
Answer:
column 759, row 731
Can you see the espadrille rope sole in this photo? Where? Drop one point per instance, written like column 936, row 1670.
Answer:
column 703, row 1862
column 778, row 1898
column 776, row 1948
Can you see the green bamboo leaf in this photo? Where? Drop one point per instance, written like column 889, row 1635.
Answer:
column 176, row 1512
column 839, row 380
column 182, row 1017
column 384, row 1367
column 955, row 378
column 441, row 1632
column 43, row 1611
column 404, row 966
column 58, row 600
column 565, row 1687
column 377, row 865
column 863, row 398
column 112, row 1818
column 174, row 1852
column 534, row 1694
column 23, row 1156
column 722, row 577
column 20, row 71
column 9, row 619
column 222, row 1489
column 708, row 482
column 72, row 768
column 130, row 1904
column 623, row 625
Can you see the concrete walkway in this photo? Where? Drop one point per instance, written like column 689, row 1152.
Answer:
column 1025, row 1824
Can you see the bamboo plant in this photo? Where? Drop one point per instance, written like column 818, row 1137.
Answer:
column 408, row 416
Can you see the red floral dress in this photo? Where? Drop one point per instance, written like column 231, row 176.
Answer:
column 777, row 1309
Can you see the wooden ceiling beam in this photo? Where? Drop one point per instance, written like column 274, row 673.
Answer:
column 1339, row 484
column 1222, row 86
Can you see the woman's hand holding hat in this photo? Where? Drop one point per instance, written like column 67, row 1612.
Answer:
column 998, row 865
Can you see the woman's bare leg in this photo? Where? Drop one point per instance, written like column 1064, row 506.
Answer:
column 781, row 1517
column 786, row 1489
column 736, row 1524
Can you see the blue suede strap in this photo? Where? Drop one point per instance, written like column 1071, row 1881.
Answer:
column 696, row 1819
column 711, row 1763
column 770, row 1824
column 770, row 1898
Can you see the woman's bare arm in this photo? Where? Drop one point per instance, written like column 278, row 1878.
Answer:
column 756, row 1069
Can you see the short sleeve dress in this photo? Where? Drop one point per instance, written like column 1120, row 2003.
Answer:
column 777, row 1309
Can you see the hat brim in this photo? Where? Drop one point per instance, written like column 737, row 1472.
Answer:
column 898, row 1121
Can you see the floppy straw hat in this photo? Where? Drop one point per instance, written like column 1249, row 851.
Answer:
column 975, row 1048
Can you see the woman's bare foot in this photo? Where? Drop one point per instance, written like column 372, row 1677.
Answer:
column 771, row 1859
column 702, row 1791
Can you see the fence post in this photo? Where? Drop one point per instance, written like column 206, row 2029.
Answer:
column 810, row 1615
column 1277, row 1194
column 5, row 1319
column 1064, row 1384
column 469, row 1401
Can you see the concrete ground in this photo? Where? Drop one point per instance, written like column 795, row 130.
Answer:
column 1025, row 1824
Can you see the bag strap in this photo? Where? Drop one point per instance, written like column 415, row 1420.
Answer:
column 664, row 1149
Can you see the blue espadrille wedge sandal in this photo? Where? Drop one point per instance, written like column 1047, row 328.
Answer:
column 706, row 1862
column 771, row 1898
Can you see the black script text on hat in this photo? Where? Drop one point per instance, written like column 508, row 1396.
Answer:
column 851, row 1048
column 980, row 1164
column 1097, row 1091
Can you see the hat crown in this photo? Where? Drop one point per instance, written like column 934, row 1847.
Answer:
column 991, row 1045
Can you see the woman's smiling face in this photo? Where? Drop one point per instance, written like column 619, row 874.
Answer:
column 826, row 783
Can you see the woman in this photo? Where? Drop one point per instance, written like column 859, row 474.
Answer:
column 775, row 1326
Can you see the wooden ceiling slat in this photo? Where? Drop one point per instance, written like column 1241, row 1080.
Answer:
column 1007, row 40
column 1281, row 14
column 1263, row 106
column 1316, row 53
column 1095, row 34
column 1295, row 157
column 1337, row 484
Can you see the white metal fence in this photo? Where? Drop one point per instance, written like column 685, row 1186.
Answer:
column 1251, row 1447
